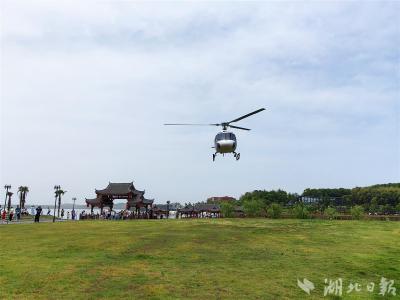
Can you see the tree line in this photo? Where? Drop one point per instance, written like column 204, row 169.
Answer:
column 376, row 199
column 379, row 198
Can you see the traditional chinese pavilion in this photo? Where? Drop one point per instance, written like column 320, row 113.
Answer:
column 200, row 210
column 134, row 198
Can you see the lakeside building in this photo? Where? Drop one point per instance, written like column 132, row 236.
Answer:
column 202, row 210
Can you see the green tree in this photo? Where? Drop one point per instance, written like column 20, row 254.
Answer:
column 253, row 208
column 389, row 209
column 227, row 209
column 373, row 206
column 357, row 212
column 275, row 211
column 22, row 190
column 59, row 193
column 267, row 197
column 330, row 212
column 326, row 193
column 301, row 211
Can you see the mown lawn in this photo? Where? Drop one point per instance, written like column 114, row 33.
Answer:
column 195, row 259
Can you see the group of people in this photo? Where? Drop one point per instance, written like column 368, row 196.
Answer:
column 62, row 213
column 8, row 216
column 105, row 215
column 70, row 215
column 11, row 214
column 110, row 215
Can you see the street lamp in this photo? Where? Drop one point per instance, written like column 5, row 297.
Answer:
column 73, row 208
column 73, row 205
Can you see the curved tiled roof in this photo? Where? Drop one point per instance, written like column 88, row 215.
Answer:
column 93, row 201
column 148, row 201
column 118, row 189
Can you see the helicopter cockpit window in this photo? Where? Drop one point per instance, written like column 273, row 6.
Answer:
column 220, row 136
column 225, row 136
column 229, row 136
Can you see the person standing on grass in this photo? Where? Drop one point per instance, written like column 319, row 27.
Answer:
column 62, row 213
column 18, row 213
column 73, row 214
column 38, row 213
column 67, row 215
column 3, row 215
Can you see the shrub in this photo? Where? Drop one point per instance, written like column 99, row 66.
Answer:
column 227, row 209
column 357, row 212
column 275, row 211
column 330, row 212
column 253, row 208
column 300, row 211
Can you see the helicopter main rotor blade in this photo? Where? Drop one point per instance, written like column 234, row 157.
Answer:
column 248, row 115
column 189, row 124
column 237, row 127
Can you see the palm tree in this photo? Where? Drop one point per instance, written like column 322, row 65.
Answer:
column 26, row 191
column 6, row 187
column 9, row 194
column 59, row 192
column 22, row 190
column 21, row 194
column 56, row 189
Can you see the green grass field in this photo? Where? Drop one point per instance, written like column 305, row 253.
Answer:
column 196, row 259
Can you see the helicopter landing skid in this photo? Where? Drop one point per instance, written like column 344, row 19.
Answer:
column 235, row 155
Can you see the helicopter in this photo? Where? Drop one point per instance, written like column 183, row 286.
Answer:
column 225, row 141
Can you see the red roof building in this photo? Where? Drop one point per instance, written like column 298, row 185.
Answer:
column 220, row 199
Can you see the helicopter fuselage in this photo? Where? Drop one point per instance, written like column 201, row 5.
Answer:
column 225, row 142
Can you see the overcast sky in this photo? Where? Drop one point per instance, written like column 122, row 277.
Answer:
column 86, row 87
